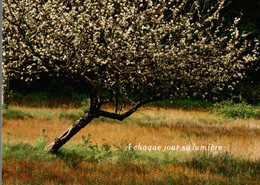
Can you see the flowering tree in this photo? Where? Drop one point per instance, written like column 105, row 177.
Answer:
column 124, row 48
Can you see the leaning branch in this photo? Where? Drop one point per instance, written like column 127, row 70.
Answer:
column 128, row 113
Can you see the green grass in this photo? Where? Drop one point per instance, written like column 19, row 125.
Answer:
column 15, row 114
column 76, row 114
column 221, row 164
column 21, row 114
column 224, row 164
column 237, row 110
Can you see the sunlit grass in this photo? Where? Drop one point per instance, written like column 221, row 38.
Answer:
column 149, row 126
column 161, row 127
column 58, row 172
column 79, row 165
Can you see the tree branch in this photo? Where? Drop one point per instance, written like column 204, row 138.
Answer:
column 128, row 113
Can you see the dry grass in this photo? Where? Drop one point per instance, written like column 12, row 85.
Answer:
column 59, row 172
column 152, row 126
column 149, row 126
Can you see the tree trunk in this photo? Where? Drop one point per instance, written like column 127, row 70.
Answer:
column 94, row 112
column 69, row 133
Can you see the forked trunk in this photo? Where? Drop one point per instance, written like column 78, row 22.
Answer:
column 94, row 112
column 69, row 133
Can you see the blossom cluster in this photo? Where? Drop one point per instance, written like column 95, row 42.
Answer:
column 171, row 46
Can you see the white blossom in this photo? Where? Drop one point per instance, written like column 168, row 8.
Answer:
column 97, row 39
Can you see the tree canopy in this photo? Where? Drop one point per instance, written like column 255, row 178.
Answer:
column 128, row 45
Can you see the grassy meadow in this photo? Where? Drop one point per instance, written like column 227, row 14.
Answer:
column 155, row 145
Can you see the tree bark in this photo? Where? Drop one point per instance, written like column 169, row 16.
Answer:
column 69, row 133
column 94, row 112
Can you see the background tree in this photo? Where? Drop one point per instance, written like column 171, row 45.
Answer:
column 123, row 48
